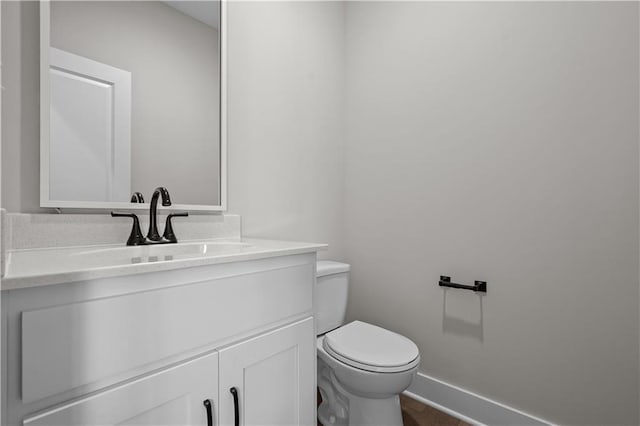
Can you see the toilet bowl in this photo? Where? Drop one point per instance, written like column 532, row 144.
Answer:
column 362, row 368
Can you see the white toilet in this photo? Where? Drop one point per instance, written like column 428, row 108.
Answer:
column 362, row 368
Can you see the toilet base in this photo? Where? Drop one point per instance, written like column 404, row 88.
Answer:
column 365, row 412
column 340, row 407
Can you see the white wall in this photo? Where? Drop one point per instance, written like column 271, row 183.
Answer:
column 20, row 116
column 286, row 69
column 499, row 141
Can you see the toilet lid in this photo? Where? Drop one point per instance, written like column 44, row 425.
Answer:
column 371, row 348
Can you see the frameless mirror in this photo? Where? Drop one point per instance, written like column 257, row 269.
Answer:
column 132, row 98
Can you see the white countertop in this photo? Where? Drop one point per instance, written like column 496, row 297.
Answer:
column 39, row 267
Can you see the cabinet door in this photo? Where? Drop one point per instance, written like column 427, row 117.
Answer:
column 174, row 396
column 274, row 375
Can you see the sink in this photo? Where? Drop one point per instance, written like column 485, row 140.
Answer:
column 30, row 262
column 182, row 250
column 156, row 253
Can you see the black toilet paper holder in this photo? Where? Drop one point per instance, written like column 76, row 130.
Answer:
column 479, row 286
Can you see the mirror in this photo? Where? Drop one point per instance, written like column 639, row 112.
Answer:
column 132, row 98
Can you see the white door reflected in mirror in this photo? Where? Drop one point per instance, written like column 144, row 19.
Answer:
column 90, row 129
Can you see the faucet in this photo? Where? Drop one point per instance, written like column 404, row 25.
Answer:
column 153, row 234
column 153, row 237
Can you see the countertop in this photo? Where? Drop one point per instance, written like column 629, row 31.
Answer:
column 40, row 267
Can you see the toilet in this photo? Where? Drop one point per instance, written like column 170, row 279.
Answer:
column 362, row 368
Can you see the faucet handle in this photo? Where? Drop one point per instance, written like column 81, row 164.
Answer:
column 169, row 235
column 137, row 197
column 136, row 238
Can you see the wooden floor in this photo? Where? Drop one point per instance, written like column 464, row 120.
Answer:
column 415, row 413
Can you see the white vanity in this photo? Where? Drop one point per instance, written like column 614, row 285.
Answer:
column 214, row 331
column 152, row 335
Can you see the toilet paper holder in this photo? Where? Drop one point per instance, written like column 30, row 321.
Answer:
column 479, row 286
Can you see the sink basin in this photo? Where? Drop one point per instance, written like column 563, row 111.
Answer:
column 35, row 262
column 155, row 253
column 176, row 251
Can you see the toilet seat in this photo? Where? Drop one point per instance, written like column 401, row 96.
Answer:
column 371, row 348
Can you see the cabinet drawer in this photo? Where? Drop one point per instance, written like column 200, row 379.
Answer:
column 174, row 396
column 71, row 345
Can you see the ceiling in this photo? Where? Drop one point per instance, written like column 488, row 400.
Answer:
column 207, row 12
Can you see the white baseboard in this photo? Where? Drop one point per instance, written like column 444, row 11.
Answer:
column 467, row 406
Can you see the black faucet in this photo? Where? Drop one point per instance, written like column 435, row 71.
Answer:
column 153, row 235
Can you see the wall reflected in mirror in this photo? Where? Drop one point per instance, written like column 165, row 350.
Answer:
column 134, row 91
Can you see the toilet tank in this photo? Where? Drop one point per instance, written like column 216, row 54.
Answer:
column 330, row 295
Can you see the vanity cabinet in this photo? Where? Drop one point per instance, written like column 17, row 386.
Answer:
column 272, row 380
column 149, row 349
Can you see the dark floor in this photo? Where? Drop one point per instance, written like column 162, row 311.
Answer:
column 415, row 413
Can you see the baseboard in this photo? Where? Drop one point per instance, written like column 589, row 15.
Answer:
column 467, row 406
